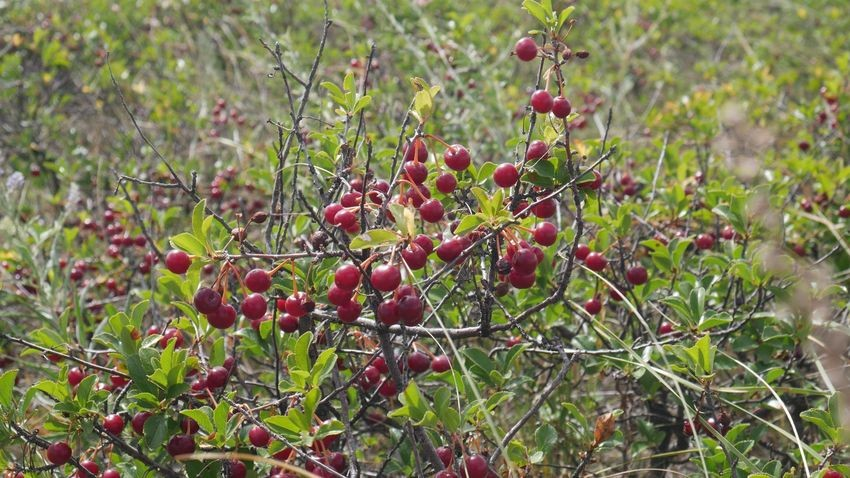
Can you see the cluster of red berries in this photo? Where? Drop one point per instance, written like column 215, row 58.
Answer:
column 220, row 117
column 418, row 361
column 59, row 453
column 240, row 194
column 721, row 424
column 473, row 466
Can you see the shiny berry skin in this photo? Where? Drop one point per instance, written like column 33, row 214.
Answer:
column 688, row 428
column 409, row 310
column 189, row 426
column 593, row 306
column 450, row 249
column 180, row 445
column 541, row 101
column 344, row 218
column 380, row 364
column 545, row 234
column 388, row 389
column 295, row 304
column 418, row 152
column 338, row 295
column 440, row 363
column 844, row 213
column 457, row 157
column 665, row 328
column 386, row 277
column 217, row 377
column 593, row 184
column 637, row 275
column 259, row 437
column 75, row 376
column 446, row 474
column 113, row 423
column 222, row 318
column 561, row 107
column 349, row 312
column 431, row 211
column 446, row 455
column 728, row 233
column 418, row 362
column 545, row 208
column 288, row 323
column 330, row 212
column 526, row 49
column 111, row 473
column 595, row 261
column 536, row 150
column 254, row 306
column 505, row 175
column 177, row 262
column 524, row 261
column 387, row 312
column 138, row 422
column 830, row 473
column 522, row 281
column 705, row 241
column 446, row 183
column 207, row 300
column 350, row 199
column 416, row 172
column 414, row 256
column 347, row 276
column 58, row 453
column 89, row 466
column 582, row 251
column 258, row 280
column 475, row 466
column 425, row 243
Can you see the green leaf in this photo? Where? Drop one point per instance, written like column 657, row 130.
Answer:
column 374, row 238
column 189, row 243
column 222, row 410
column 545, row 437
column 302, row 352
column 7, row 383
column 203, row 416
column 323, row 367
column 823, row 420
column 537, row 11
column 468, row 223
column 565, row 15
column 156, row 431
column 198, row 220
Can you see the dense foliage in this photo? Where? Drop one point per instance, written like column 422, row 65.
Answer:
column 426, row 238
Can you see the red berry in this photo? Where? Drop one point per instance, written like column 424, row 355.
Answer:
column 414, row 256
column 236, row 468
column 386, row 277
column 254, row 306
column 418, row 362
column 58, row 453
column 258, row 280
column 524, row 261
column 445, row 474
column 636, row 275
column 217, row 377
column 446, row 455
column 89, row 466
column 297, row 304
column 582, row 251
column 830, row 473
column 595, row 261
column 505, row 175
column 344, row 218
column 181, row 445
column 593, row 306
column 418, row 152
column 75, row 376
column 207, row 300
column 288, row 323
column 138, row 422
column 259, row 437
column 347, row 276
column 844, row 213
column 446, row 183
column 169, row 334
column 349, row 312
column 705, row 241
column 189, row 426
column 425, row 243
column 431, row 211
column 441, row 363
column 415, row 172
column 728, row 233
column 330, row 212
column 222, row 318
column 113, row 423
column 665, row 328
column 338, row 295
column 688, row 428
column 522, row 281
column 526, row 49
column 388, row 389
column 593, row 184
column 450, row 249
column 475, row 466
column 541, row 101
column 536, row 150
column 561, row 107
column 388, row 312
column 350, row 199
column 545, row 234
column 457, row 157
column 177, row 262
column 111, row 473
column 409, row 309
column 380, row 364
column 545, row 208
